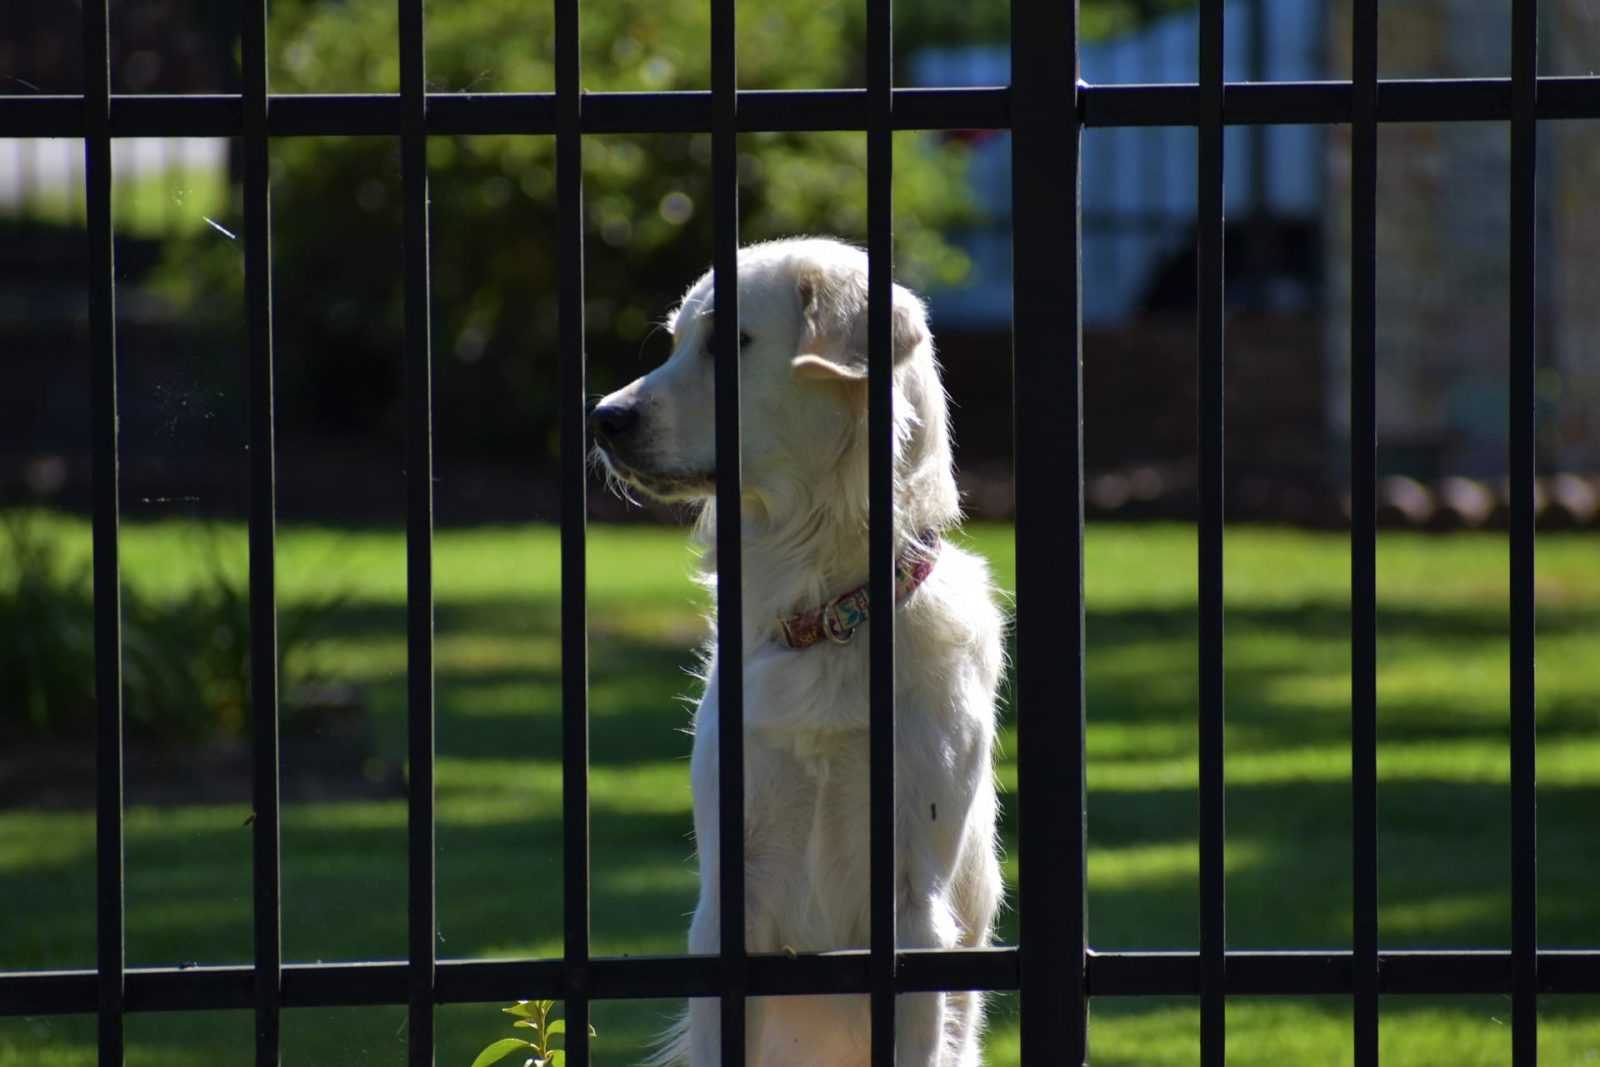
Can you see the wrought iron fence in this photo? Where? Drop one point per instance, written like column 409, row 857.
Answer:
column 1046, row 108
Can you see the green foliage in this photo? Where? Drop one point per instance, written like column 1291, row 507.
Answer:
column 495, row 219
column 185, row 661
column 533, row 1016
column 935, row 23
column 647, row 207
column 47, row 659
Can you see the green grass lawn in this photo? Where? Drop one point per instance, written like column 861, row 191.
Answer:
column 1443, row 806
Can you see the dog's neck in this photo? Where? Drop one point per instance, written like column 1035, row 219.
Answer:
column 794, row 566
column 803, row 526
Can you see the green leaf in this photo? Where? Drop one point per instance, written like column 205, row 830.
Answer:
column 555, row 1026
column 557, row 1058
column 524, row 1009
column 499, row 1050
column 526, row 1024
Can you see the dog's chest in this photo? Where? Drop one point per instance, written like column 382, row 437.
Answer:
column 806, row 784
column 805, row 734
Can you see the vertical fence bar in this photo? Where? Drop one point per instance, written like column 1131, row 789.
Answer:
column 1046, row 361
column 1364, row 529
column 574, row 516
column 730, row 560
column 267, row 874
column 1209, row 303
column 880, row 524
column 1524, row 819
column 419, row 534
column 111, row 946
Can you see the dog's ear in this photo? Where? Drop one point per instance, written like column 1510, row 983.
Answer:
column 833, row 336
column 808, row 367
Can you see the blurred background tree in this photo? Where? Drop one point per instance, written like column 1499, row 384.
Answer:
column 336, row 203
column 337, row 234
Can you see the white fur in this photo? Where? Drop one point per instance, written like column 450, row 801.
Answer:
column 803, row 427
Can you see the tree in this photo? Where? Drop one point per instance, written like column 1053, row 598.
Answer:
column 336, row 206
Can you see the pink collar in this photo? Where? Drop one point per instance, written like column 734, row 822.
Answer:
column 838, row 618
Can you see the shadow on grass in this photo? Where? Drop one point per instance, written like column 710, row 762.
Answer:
column 1443, row 836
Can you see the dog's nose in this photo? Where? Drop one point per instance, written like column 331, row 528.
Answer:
column 613, row 421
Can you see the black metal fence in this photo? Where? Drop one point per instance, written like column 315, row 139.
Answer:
column 1047, row 109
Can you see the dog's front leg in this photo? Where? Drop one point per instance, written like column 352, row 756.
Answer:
column 920, row 1029
column 701, row 1045
column 698, row 1043
column 704, row 1033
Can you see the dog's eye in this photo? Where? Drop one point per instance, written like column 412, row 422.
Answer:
column 711, row 342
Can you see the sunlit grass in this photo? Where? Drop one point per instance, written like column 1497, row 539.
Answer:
column 1442, row 763
column 162, row 205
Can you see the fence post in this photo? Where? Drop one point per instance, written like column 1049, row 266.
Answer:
column 422, row 934
column 1047, row 358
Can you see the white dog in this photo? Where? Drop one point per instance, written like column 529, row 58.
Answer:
column 803, row 311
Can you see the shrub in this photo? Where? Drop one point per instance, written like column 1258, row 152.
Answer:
column 185, row 661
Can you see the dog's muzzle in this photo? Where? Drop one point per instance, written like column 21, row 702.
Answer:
column 619, row 437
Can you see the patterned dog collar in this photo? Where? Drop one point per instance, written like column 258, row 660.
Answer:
column 838, row 619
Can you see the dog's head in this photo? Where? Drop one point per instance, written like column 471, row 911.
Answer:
column 803, row 394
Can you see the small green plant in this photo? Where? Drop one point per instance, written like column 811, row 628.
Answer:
column 531, row 1015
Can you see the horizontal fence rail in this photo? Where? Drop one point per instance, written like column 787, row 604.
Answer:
column 1109, row 974
column 1047, row 108
column 764, row 110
